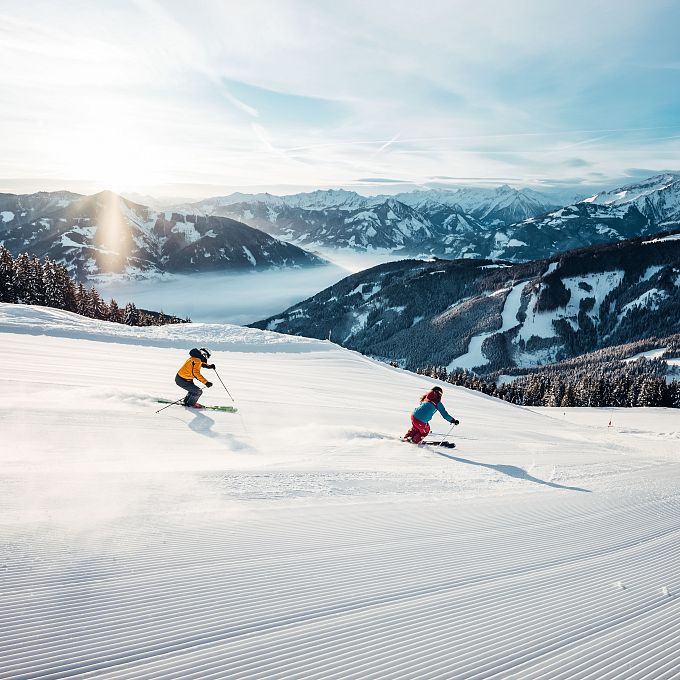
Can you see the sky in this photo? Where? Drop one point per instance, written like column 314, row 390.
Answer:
column 202, row 98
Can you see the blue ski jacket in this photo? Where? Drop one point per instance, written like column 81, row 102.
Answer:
column 424, row 412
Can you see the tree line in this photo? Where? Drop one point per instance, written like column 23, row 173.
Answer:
column 30, row 281
column 638, row 383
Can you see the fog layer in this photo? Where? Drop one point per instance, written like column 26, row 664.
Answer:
column 228, row 298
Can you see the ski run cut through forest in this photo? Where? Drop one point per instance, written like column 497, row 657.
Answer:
column 299, row 537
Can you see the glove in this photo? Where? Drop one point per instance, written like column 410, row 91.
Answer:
column 209, row 366
column 208, row 384
column 455, row 422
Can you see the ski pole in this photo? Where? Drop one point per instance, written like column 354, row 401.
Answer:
column 223, row 385
column 446, row 436
column 169, row 405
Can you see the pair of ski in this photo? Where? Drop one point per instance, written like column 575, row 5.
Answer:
column 222, row 409
column 436, row 443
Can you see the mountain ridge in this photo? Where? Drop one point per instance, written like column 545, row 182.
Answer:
column 487, row 315
column 106, row 234
column 500, row 222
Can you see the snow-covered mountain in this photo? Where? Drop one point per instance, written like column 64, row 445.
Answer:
column 506, row 223
column 492, row 207
column 408, row 222
column 299, row 538
column 580, row 225
column 16, row 209
column 657, row 198
column 390, row 225
column 105, row 233
column 502, row 222
column 488, row 315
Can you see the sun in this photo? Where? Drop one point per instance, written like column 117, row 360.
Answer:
column 112, row 155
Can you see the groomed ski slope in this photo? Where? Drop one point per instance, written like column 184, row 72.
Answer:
column 299, row 538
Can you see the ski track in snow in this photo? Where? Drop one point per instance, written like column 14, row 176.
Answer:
column 299, row 538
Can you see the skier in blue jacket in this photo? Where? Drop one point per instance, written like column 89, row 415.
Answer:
column 430, row 403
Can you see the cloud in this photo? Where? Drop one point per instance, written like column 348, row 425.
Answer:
column 285, row 109
column 576, row 163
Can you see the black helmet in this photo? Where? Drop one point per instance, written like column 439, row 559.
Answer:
column 201, row 354
column 438, row 389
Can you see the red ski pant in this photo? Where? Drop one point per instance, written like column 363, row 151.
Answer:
column 419, row 430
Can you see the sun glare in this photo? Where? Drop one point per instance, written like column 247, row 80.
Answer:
column 112, row 238
column 113, row 155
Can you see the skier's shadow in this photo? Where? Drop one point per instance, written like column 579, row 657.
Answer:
column 513, row 471
column 202, row 424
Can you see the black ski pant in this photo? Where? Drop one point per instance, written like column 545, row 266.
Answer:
column 194, row 392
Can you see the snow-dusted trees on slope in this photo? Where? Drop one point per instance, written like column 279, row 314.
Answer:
column 617, row 382
column 28, row 280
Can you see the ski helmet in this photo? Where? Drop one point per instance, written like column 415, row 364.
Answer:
column 438, row 389
column 205, row 352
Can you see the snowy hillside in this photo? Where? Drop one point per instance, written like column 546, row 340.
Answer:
column 489, row 315
column 299, row 538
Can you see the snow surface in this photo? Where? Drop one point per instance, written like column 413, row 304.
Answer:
column 188, row 230
column 672, row 237
column 649, row 299
column 6, row 215
column 649, row 354
column 299, row 538
column 474, row 356
column 657, row 354
column 250, row 256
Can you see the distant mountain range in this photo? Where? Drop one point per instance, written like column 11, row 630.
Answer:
column 408, row 223
column 489, row 315
column 506, row 223
column 107, row 234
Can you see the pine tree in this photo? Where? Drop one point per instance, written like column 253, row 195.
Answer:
column 7, row 276
column 674, row 396
column 54, row 292
column 568, row 397
column 36, row 286
column 68, row 288
column 97, row 305
column 22, row 267
column 83, row 302
column 115, row 313
column 131, row 315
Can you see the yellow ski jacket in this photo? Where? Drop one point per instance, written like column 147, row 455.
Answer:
column 192, row 369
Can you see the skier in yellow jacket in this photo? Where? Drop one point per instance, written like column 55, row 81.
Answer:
column 191, row 369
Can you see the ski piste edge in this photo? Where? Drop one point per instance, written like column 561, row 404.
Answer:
column 223, row 409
